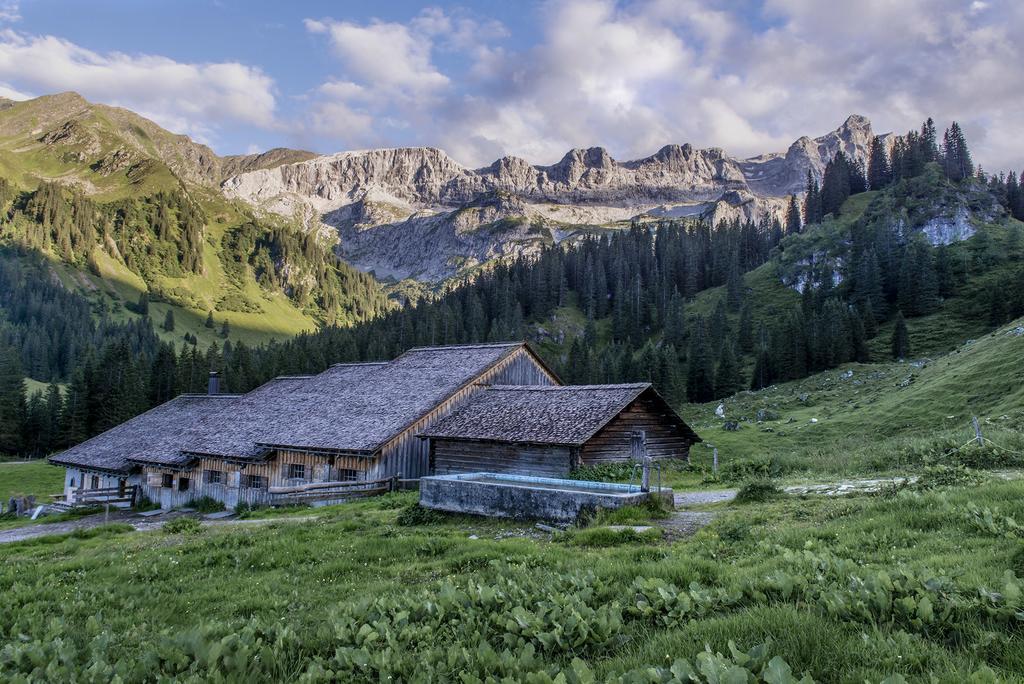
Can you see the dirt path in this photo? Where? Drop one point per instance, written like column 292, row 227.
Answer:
column 838, row 488
column 140, row 523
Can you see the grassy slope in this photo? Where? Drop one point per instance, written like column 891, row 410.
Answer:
column 34, row 477
column 297, row 574
column 25, row 161
column 856, row 414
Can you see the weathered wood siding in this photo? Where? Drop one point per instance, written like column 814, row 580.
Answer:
column 452, row 457
column 76, row 479
column 409, row 456
column 665, row 438
column 405, row 455
column 274, row 471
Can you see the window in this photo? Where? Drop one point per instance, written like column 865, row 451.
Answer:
column 347, row 475
column 253, row 481
column 296, row 471
column 94, row 482
column 182, row 484
column 167, row 480
column 214, row 476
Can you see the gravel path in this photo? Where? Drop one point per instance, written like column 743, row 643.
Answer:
column 141, row 524
column 685, row 523
column 706, row 497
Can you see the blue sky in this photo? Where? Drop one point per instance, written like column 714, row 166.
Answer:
column 530, row 78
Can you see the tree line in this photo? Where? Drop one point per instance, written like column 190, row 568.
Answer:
column 626, row 302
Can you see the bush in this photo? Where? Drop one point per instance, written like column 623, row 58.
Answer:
column 207, row 505
column 653, row 508
column 604, row 537
column 415, row 514
column 762, row 467
column 184, row 525
column 623, row 471
column 947, row 476
column 759, row 490
column 146, row 504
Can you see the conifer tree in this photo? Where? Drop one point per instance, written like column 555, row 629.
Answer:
column 956, row 156
column 12, row 401
column 209, row 320
column 812, row 201
column 734, row 285
column 700, row 377
column 793, row 221
column 900, row 338
column 929, row 142
column 879, row 172
column 745, row 332
column 142, row 306
column 727, row 374
column 74, row 417
column 169, row 321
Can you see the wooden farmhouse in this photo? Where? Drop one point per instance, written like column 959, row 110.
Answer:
column 309, row 438
column 549, row 430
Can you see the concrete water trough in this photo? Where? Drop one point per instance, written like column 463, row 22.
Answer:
column 525, row 497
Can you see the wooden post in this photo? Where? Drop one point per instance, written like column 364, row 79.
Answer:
column 638, row 450
column 714, row 461
column 977, row 431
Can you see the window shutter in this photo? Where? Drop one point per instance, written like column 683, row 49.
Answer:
column 233, row 478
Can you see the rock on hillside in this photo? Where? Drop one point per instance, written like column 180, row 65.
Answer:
column 372, row 196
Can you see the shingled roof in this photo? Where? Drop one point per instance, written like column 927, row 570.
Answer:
column 349, row 407
column 534, row 414
column 369, row 414
column 154, row 435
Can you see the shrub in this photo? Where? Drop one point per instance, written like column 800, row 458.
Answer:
column 207, row 505
column 144, row 503
column 759, row 490
column 654, row 508
column 183, row 525
column 947, row 476
column 762, row 467
column 415, row 514
column 623, row 471
column 603, row 537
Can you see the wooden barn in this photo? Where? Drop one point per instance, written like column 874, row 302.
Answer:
column 295, row 438
column 549, row 430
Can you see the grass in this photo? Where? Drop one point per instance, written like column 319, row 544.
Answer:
column 179, row 589
column 876, row 417
column 32, row 477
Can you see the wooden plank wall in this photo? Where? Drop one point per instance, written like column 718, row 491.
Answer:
column 406, row 455
column 664, row 438
column 319, row 468
column 453, row 457
column 409, row 456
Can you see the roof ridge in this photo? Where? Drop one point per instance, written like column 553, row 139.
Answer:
column 354, row 364
column 474, row 345
column 563, row 388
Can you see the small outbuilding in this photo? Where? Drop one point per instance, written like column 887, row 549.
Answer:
column 547, row 431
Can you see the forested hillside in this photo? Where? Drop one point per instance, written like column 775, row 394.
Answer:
column 910, row 256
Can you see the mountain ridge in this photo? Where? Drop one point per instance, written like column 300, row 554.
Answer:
column 378, row 200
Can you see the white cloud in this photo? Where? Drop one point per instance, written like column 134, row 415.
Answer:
column 192, row 98
column 10, row 11
column 11, row 93
column 633, row 75
column 389, row 56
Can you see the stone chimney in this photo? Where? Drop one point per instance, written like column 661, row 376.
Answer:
column 213, row 387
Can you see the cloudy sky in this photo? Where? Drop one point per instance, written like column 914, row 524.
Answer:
column 530, row 78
